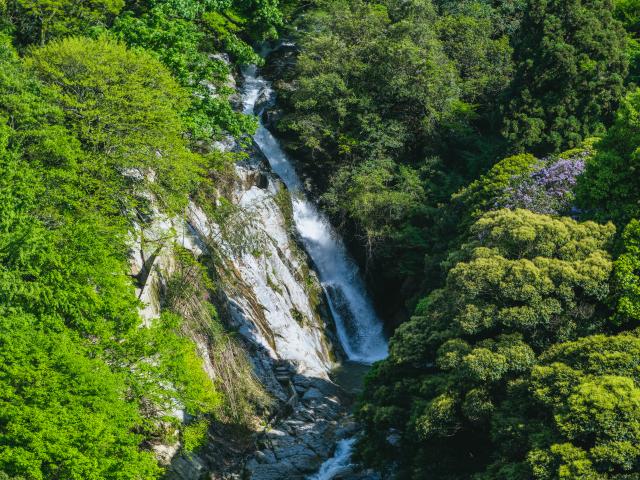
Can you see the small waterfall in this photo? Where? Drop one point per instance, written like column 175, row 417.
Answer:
column 336, row 464
column 359, row 328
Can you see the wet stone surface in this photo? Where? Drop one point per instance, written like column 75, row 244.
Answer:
column 295, row 446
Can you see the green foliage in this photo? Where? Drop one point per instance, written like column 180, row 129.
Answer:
column 186, row 303
column 340, row 94
column 194, row 435
column 524, row 282
column 161, row 356
column 175, row 40
column 47, row 226
column 64, row 414
column 227, row 29
column 521, row 272
column 38, row 21
column 627, row 276
column 570, row 69
column 609, row 188
column 480, row 196
column 285, row 205
column 176, row 35
column 126, row 110
column 471, row 37
column 384, row 107
column 580, row 408
column 4, row 476
column 628, row 13
column 263, row 17
column 383, row 195
column 76, row 366
column 392, row 106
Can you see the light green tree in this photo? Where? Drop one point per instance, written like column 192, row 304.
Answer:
column 575, row 416
column 126, row 109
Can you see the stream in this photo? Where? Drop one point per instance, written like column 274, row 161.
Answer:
column 359, row 329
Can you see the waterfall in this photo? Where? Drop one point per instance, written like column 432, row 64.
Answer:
column 359, row 328
column 336, row 464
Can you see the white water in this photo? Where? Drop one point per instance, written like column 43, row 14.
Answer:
column 359, row 328
column 340, row 459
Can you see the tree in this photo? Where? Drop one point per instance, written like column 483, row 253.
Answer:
column 627, row 12
column 610, row 188
column 626, row 277
column 392, row 104
column 570, row 70
column 372, row 81
column 523, row 282
column 63, row 413
column 482, row 194
column 264, row 17
column 471, row 37
column 126, row 110
column 181, row 37
column 524, row 181
column 385, row 197
column 575, row 416
column 42, row 20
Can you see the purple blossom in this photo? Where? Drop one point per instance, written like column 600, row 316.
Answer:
column 548, row 189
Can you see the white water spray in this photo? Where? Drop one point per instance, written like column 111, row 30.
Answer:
column 359, row 328
column 340, row 460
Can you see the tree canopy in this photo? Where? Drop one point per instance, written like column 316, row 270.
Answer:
column 574, row 416
column 570, row 70
column 524, row 282
column 609, row 188
column 433, row 133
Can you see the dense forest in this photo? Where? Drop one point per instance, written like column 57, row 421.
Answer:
column 480, row 157
column 102, row 102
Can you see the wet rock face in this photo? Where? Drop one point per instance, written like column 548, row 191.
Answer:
column 270, row 294
column 275, row 301
column 304, row 437
column 268, row 298
column 273, row 298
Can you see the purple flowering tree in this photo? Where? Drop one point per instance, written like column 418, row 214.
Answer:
column 548, row 189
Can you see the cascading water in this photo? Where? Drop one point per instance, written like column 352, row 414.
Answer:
column 359, row 328
column 336, row 464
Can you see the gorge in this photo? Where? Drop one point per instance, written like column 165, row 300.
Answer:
column 300, row 326
column 359, row 329
column 320, row 240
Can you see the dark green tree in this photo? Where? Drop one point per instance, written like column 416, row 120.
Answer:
column 628, row 12
column 610, row 187
column 38, row 21
column 569, row 74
